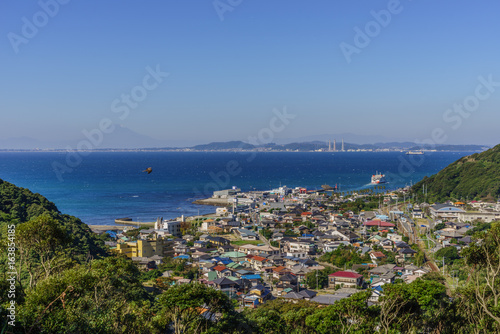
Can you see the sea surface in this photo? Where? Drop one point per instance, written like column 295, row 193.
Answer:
column 103, row 186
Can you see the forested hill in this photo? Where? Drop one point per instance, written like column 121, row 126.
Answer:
column 20, row 205
column 474, row 177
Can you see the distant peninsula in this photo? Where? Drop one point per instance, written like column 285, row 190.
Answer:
column 312, row 146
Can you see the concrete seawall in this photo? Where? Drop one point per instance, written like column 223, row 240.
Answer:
column 214, row 202
column 129, row 221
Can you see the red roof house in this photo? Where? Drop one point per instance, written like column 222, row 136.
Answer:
column 348, row 279
column 378, row 223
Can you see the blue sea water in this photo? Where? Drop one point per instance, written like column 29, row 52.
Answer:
column 104, row 186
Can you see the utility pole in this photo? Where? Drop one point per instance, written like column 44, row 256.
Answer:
column 317, row 279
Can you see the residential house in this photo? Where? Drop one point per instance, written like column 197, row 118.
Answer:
column 381, row 270
column 407, row 252
column 257, row 295
column 222, row 271
column 380, row 224
column 247, row 234
column 394, row 237
column 417, row 214
column 302, row 246
column 200, row 244
column 345, row 235
column 253, row 249
column 347, row 279
column 280, row 271
column 331, row 246
column 330, row 299
column 377, row 256
column 223, row 283
column 400, row 245
column 386, row 244
column 218, row 241
column 258, row 262
column 301, row 295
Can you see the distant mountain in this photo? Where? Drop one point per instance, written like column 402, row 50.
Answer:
column 348, row 137
column 229, row 145
column 395, row 145
column 122, row 137
column 474, row 177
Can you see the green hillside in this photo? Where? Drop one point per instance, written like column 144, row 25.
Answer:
column 472, row 177
column 20, row 205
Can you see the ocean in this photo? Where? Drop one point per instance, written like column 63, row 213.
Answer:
column 103, row 186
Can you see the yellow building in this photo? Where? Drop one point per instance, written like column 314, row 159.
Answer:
column 145, row 248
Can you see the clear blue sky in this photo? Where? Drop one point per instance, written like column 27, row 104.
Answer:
column 226, row 76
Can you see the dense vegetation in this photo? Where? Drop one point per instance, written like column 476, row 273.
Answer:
column 67, row 284
column 345, row 257
column 473, row 177
column 19, row 205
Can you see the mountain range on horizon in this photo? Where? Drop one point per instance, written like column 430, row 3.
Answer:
column 124, row 138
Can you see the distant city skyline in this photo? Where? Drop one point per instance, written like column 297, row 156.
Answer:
column 192, row 73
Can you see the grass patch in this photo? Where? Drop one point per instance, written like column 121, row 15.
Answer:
column 247, row 242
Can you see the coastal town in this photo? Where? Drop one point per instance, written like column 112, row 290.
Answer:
column 301, row 244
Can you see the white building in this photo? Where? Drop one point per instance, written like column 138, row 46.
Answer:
column 485, row 216
column 173, row 227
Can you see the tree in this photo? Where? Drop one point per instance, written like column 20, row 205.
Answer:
column 391, row 306
column 279, row 316
column 483, row 260
column 190, row 308
column 150, row 275
column 419, row 258
column 422, row 304
column 450, row 254
column 40, row 243
column 104, row 296
column 439, row 226
column 348, row 315
column 319, row 276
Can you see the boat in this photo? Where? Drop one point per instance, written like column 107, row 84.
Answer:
column 415, row 152
column 378, row 178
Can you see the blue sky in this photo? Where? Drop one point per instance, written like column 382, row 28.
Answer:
column 227, row 75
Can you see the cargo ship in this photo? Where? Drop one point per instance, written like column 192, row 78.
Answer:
column 415, row 152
